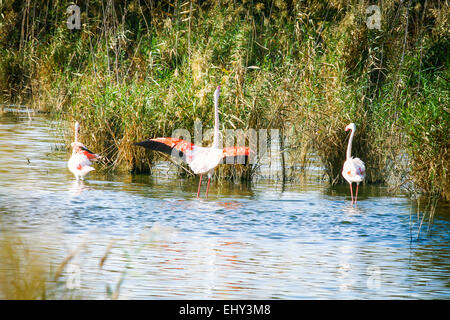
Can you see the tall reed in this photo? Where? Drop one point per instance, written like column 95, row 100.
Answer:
column 141, row 69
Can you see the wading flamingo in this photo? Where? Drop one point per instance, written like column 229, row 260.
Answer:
column 201, row 160
column 354, row 169
column 80, row 161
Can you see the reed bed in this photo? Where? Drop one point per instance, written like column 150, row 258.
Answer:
column 141, row 69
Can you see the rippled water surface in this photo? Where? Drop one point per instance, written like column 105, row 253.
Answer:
column 151, row 237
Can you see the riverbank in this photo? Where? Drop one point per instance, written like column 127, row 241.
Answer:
column 136, row 70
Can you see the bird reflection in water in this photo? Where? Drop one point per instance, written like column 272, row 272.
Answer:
column 78, row 187
column 351, row 210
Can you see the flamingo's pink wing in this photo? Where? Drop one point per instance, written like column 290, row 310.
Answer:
column 236, row 155
column 89, row 154
column 171, row 146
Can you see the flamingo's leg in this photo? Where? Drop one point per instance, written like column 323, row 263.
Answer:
column 357, row 185
column 199, row 185
column 351, row 191
column 207, row 187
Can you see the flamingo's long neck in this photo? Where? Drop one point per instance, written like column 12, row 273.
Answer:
column 77, row 128
column 216, row 119
column 349, row 147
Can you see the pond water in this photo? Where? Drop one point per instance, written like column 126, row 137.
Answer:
column 149, row 237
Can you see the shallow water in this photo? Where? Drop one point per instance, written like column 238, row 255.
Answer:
column 246, row 241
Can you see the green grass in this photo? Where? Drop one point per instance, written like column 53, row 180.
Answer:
column 138, row 71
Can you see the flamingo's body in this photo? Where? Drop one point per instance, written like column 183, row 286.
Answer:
column 201, row 160
column 80, row 161
column 354, row 169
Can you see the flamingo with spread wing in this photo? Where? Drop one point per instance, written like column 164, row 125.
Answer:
column 201, row 160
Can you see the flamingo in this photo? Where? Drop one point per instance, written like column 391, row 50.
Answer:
column 354, row 169
column 201, row 160
column 80, row 161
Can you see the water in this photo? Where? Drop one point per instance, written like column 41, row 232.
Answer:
column 256, row 241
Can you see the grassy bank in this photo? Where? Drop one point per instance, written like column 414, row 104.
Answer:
column 140, row 69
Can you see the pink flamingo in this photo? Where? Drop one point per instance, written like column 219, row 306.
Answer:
column 354, row 169
column 80, row 161
column 201, row 160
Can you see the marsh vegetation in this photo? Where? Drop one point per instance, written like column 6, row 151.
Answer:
column 141, row 69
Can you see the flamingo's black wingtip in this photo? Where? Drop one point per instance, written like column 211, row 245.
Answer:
column 148, row 144
column 140, row 144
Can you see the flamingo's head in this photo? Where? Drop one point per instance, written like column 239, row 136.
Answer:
column 77, row 126
column 351, row 126
column 77, row 146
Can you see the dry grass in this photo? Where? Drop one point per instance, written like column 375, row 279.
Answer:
column 24, row 272
column 29, row 271
column 303, row 68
